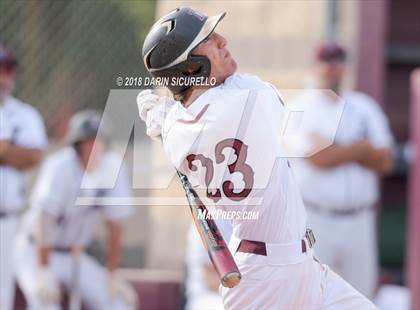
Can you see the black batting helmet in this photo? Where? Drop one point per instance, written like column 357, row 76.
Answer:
column 167, row 48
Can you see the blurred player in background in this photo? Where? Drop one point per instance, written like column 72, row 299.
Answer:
column 22, row 141
column 274, row 253
column 340, row 185
column 54, row 229
column 202, row 283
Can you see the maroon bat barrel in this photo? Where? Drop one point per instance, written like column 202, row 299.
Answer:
column 213, row 241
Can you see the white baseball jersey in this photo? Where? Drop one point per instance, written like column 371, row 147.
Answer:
column 226, row 143
column 59, row 185
column 21, row 124
column 350, row 185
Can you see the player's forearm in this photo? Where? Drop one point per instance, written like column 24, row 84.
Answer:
column 336, row 155
column 378, row 160
column 19, row 157
column 43, row 255
column 387, row 165
column 114, row 245
column 211, row 278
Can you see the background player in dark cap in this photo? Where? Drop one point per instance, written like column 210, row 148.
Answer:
column 22, row 141
column 340, row 185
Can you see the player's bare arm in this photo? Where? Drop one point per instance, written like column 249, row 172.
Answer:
column 211, row 278
column 336, row 155
column 379, row 160
column 19, row 157
column 114, row 231
column 362, row 152
column 44, row 255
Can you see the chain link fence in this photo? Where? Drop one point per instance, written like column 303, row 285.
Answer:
column 70, row 52
column 69, row 55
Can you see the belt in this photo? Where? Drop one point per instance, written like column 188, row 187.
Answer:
column 61, row 249
column 259, row 248
column 339, row 212
column 4, row 214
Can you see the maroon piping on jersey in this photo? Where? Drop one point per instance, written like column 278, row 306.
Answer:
column 197, row 118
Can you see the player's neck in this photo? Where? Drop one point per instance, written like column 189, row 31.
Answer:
column 191, row 95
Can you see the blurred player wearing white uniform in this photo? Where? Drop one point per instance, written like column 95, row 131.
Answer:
column 339, row 185
column 22, row 141
column 202, row 282
column 224, row 138
column 54, row 229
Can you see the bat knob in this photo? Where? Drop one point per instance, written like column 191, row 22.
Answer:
column 231, row 279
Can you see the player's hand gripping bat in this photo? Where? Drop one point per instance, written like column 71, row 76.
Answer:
column 213, row 241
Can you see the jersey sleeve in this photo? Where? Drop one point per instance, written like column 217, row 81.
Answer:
column 48, row 193
column 33, row 133
column 378, row 130
column 121, row 190
column 6, row 130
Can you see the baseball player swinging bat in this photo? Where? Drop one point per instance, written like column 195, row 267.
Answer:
column 213, row 241
column 210, row 234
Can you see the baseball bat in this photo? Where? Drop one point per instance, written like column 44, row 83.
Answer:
column 211, row 236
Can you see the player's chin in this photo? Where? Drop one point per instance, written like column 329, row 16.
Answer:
column 231, row 66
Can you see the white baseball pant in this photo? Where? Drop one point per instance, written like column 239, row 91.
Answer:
column 348, row 245
column 7, row 285
column 205, row 301
column 282, row 281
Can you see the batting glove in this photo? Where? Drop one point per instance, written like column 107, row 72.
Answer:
column 120, row 288
column 153, row 110
column 47, row 289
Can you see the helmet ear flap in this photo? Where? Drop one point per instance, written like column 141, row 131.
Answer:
column 194, row 66
column 203, row 63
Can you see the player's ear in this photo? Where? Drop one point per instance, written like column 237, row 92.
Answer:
column 192, row 69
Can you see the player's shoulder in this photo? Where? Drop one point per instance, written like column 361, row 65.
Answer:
column 362, row 102
column 308, row 99
column 60, row 159
column 26, row 111
column 244, row 81
column 358, row 97
column 175, row 112
column 251, row 82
